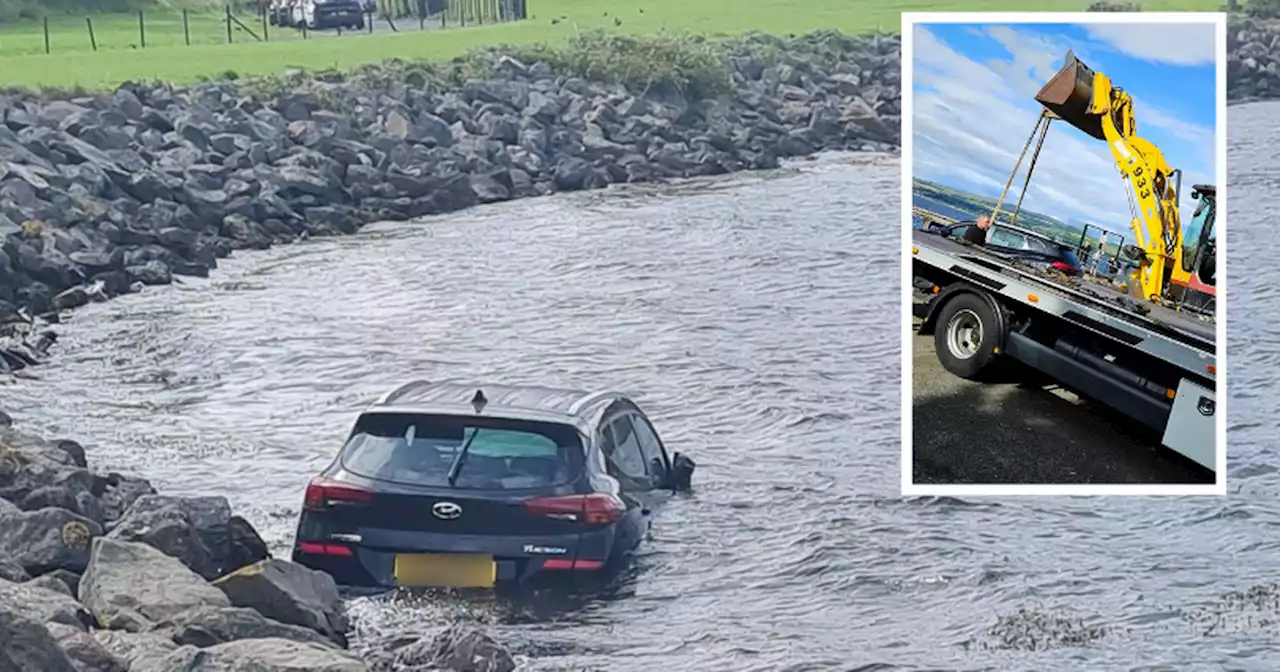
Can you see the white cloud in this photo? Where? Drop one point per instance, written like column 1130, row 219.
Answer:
column 971, row 121
column 1194, row 134
column 1172, row 43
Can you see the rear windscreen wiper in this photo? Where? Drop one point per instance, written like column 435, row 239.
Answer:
column 461, row 458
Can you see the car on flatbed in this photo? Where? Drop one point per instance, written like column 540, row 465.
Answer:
column 450, row 485
column 1024, row 244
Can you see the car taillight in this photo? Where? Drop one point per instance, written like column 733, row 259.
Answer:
column 1063, row 266
column 314, row 548
column 323, row 493
column 571, row 565
column 594, row 509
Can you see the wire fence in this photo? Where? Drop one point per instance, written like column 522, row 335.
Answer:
column 148, row 30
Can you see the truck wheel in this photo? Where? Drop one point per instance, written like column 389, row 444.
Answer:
column 966, row 336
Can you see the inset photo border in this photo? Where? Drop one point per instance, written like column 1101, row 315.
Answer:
column 1063, row 199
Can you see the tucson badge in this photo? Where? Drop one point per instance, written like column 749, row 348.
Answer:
column 446, row 510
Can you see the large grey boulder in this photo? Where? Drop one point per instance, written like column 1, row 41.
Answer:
column 136, row 648
column 87, row 654
column 45, row 605
column 132, row 586
column 199, row 531
column 28, row 644
column 289, row 593
column 46, row 539
column 460, row 648
column 208, row 626
column 12, row 571
column 255, row 655
column 59, row 580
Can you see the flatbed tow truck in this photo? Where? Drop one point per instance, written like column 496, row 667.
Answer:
column 1150, row 360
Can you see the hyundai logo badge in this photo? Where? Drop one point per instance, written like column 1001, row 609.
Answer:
column 446, row 510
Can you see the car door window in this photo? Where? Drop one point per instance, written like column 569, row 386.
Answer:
column 627, row 455
column 650, row 446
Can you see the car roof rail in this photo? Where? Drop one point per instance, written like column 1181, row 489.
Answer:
column 591, row 398
column 401, row 391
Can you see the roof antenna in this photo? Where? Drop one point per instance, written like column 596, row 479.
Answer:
column 478, row 401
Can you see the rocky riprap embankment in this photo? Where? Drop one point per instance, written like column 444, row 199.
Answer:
column 98, row 573
column 1253, row 59
column 103, row 194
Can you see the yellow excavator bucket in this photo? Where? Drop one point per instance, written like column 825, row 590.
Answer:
column 1069, row 95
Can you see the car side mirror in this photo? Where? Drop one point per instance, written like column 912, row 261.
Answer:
column 680, row 478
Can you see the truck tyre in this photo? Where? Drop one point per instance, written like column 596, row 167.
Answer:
column 966, row 335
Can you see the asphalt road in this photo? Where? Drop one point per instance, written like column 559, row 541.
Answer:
column 1019, row 431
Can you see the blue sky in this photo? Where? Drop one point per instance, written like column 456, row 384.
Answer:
column 974, row 107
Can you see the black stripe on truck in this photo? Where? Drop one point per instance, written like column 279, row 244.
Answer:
column 1118, row 334
column 977, row 279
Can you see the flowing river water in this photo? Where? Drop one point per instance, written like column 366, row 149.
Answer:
column 756, row 317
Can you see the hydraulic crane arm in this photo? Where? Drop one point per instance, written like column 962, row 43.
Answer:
column 1090, row 102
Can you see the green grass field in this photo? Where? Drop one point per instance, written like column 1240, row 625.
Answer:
column 72, row 63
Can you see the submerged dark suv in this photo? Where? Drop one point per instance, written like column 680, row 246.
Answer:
column 466, row 486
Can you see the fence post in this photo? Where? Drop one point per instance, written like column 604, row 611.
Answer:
column 142, row 30
column 93, row 41
column 47, row 46
column 229, row 40
column 262, row 12
column 186, row 28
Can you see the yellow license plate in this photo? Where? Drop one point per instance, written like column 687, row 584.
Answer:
column 445, row 570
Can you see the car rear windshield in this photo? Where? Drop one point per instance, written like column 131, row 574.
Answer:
column 1042, row 246
column 501, row 454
